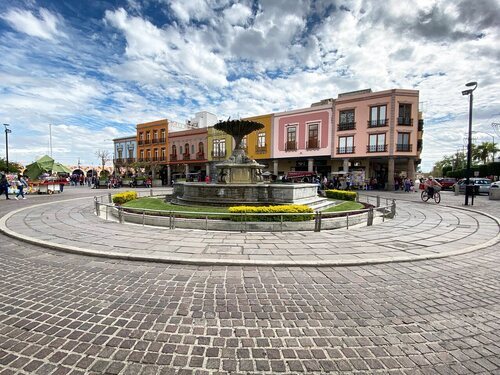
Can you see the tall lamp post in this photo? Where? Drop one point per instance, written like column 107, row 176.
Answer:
column 469, row 143
column 7, row 131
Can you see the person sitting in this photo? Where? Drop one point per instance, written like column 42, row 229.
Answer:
column 430, row 186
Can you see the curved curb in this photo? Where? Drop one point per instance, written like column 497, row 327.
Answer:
column 233, row 262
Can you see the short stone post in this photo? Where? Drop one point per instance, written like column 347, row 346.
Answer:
column 110, row 200
column 369, row 221
column 121, row 219
column 150, row 192
column 378, row 200
column 393, row 208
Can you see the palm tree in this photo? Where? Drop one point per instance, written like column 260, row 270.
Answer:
column 484, row 150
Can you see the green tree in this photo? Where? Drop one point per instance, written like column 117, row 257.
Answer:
column 14, row 167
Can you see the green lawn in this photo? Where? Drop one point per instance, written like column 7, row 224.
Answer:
column 159, row 204
column 345, row 206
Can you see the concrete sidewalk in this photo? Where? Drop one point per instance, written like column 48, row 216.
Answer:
column 419, row 231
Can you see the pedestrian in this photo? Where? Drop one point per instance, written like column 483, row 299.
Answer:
column 417, row 185
column 21, row 184
column 407, row 184
column 4, row 186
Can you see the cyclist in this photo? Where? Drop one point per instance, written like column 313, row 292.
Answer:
column 430, row 185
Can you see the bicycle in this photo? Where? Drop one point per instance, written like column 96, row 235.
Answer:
column 425, row 197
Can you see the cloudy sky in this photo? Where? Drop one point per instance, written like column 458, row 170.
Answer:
column 95, row 68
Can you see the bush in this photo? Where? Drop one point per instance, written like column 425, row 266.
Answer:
column 124, row 197
column 293, row 208
column 341, row 195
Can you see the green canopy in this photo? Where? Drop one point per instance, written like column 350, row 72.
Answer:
column 44, row 165
column 59, row 168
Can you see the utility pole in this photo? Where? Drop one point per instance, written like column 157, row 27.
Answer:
column 50, row 139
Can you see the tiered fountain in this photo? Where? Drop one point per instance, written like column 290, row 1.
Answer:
column 240, row 181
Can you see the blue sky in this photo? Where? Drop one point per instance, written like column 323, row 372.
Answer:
column 93, row 69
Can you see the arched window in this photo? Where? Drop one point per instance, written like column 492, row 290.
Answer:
column 186, row 148
column 174, row 150
column 201, row 148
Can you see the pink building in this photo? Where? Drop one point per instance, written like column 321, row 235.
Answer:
column 187, row 153
column 371, row 135
column 302, row 140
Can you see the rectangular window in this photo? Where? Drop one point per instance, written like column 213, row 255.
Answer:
column 313, row 140
column 346, row 145
column 130, row 152
column 376, row 143
column 378, row 116
column 141, row 155
column 244, row 142
column 403, row 142
column 155, row 135
column 291, row 138
column 163, row 153
column 219, row 148
column 346, row 120
column 163, row 137
column 261, row 140
column 156, row 153
column 404, row 116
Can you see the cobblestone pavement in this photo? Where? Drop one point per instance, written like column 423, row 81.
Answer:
column 70, row 314
column 419, row 231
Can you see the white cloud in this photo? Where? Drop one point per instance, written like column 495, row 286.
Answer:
column 192, row 9
column 167, row 51
column 237, row 14
column 45, row 26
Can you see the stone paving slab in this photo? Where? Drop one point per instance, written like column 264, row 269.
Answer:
column 419, row 231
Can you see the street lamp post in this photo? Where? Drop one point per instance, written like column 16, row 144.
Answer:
column 469, row 143
column 7, row 131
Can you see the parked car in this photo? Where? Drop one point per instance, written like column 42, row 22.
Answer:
column 483, row 183
column 446, row 183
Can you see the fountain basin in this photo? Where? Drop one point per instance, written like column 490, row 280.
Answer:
column 197, row 193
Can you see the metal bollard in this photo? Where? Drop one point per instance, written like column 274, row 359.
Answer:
column 357, row 197
column 393, row 208
column 369, row 221
column 110, row 200
column 378, row 200
column 317, row 224
column 150, row 192
column 347, row 220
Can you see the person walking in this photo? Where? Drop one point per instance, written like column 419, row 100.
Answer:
column 21, row 184
column 4, row 186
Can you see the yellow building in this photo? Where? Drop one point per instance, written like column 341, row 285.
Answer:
column 220, row 145
column 258, row 144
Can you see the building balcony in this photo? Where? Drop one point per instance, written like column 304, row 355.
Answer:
column 419, row 145
column 406, row 121
column 186, row 156
column 291, row 146
column 346, row 150
column 260, row 149
column 173, row 157
column 163, row 158
column 346, row 126
column 376, row 148
column 163, row 140
column 140, row 142
column 403, row 147
column 147, row 142
column 312, row 144
column 200, row 156
column 130, row 160
column 378, row 123
column 155, row 141
column 420, row 125
column 219, row 154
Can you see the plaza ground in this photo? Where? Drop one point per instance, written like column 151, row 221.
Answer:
column 63, row 313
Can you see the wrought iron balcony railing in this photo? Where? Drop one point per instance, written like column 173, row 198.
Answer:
column 406, row 121
column 378, row 123
column 291, row 146
column 312, row 144
column 376, row 148
column 346, row 126
column 403, row 147
column 346, row 150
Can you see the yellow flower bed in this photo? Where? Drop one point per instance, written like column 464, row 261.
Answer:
column 307, row 213
column 341, row 195
column 124, row 197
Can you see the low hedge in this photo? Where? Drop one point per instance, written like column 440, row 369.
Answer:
column 124, row 197
column 341, row 195
column 307, row 212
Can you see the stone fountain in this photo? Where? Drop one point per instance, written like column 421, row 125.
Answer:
column 239, row 179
